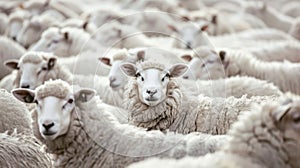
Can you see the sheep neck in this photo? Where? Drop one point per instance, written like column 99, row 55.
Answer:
column 159, row 117
column 258, row 139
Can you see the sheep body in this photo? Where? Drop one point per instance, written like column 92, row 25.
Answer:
column 256, row 135
column 96, row 139
column 282, row 74
column 9, row 50
column 14, row 114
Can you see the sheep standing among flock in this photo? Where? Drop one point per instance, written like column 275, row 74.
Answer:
column 173, row 79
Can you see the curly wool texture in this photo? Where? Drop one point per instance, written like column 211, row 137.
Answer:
column 258, row 140
column 14, row 114
column 60, row 90
column 35, row 57
column 96, row 139
column 183, row 113
column 18, row 150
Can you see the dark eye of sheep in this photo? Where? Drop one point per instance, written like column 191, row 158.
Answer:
column 44, row 68
column 142, row 78
column 70, row 101
column 203, row 65
column 296, row 119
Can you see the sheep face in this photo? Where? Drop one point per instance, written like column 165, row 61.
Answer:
column 53, row 40
column 152, row 83
column 287, row 119
column 117, row 79
column 203, row 68
column 14, row 28
column 190, row 36
column 54, row 110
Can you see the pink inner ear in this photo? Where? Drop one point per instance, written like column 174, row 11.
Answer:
column 105, row 60
column 187, row 58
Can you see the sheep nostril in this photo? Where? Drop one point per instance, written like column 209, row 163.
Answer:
column 25, row 86
column 48, row 126
column 185, row 77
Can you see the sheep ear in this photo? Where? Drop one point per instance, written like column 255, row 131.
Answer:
column 13, row 63
column 128, row 69
column 141, row 55
column 214, row 19
column 177, row 70
column 222, row 55
column 24, row 95
column 105, row 60
column 66, row 35
column 282, row 110
column 204, row 27
column 84, row 95
column 51, row 62
column 187, row 57
column 173, row 28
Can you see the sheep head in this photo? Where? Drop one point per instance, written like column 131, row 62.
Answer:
column 117, row 79
column 152, row 79
column 34, row 68
column 55, row 102
column 204, row 64
column 287, row 119
column 54, row 40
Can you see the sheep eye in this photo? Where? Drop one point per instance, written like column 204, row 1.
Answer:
column 142, row 78
column 70, row 101
column 296, row 119
column 44, row 68
column 203, row 65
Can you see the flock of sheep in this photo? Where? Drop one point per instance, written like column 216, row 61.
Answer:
column 150, row 83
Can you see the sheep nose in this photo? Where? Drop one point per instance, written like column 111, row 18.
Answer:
column 14, row 38
column 112, row 79
column 185, row 77
column 48, row 125
column 151, row 92
column 25, row 86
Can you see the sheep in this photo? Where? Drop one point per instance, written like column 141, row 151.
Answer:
column 78, row 23
column 192, row 36
column 191, row 5
column 165, row 6
column 285, row 75
column 268, row 136
column 14, row 115
column 155, row 100
column 9, row 50
column 270, row 16
column 288, row 51
column 295, row 29
column 34, row 27
column 18, row 150
column 84, row 134
column 115, row 34
column 15, row 23
column 65, row 42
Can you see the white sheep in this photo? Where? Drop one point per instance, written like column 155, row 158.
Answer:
column 270, row 16
column 3, row 23
column 9, row 50
column 15, row 23
column 155, row 100
column 79, row 131
column 33, row 28
column 65, row 42
column 287, row 50
column 285, row 75
column 165, row 6
column 18, row 150
column 268, row 136
column 14, row 115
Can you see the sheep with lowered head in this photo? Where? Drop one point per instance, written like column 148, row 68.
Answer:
column 285, row 75
column 155, row 100
column 268, row 136
column 65, row 42
column 18, row 150
column 79, row 131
